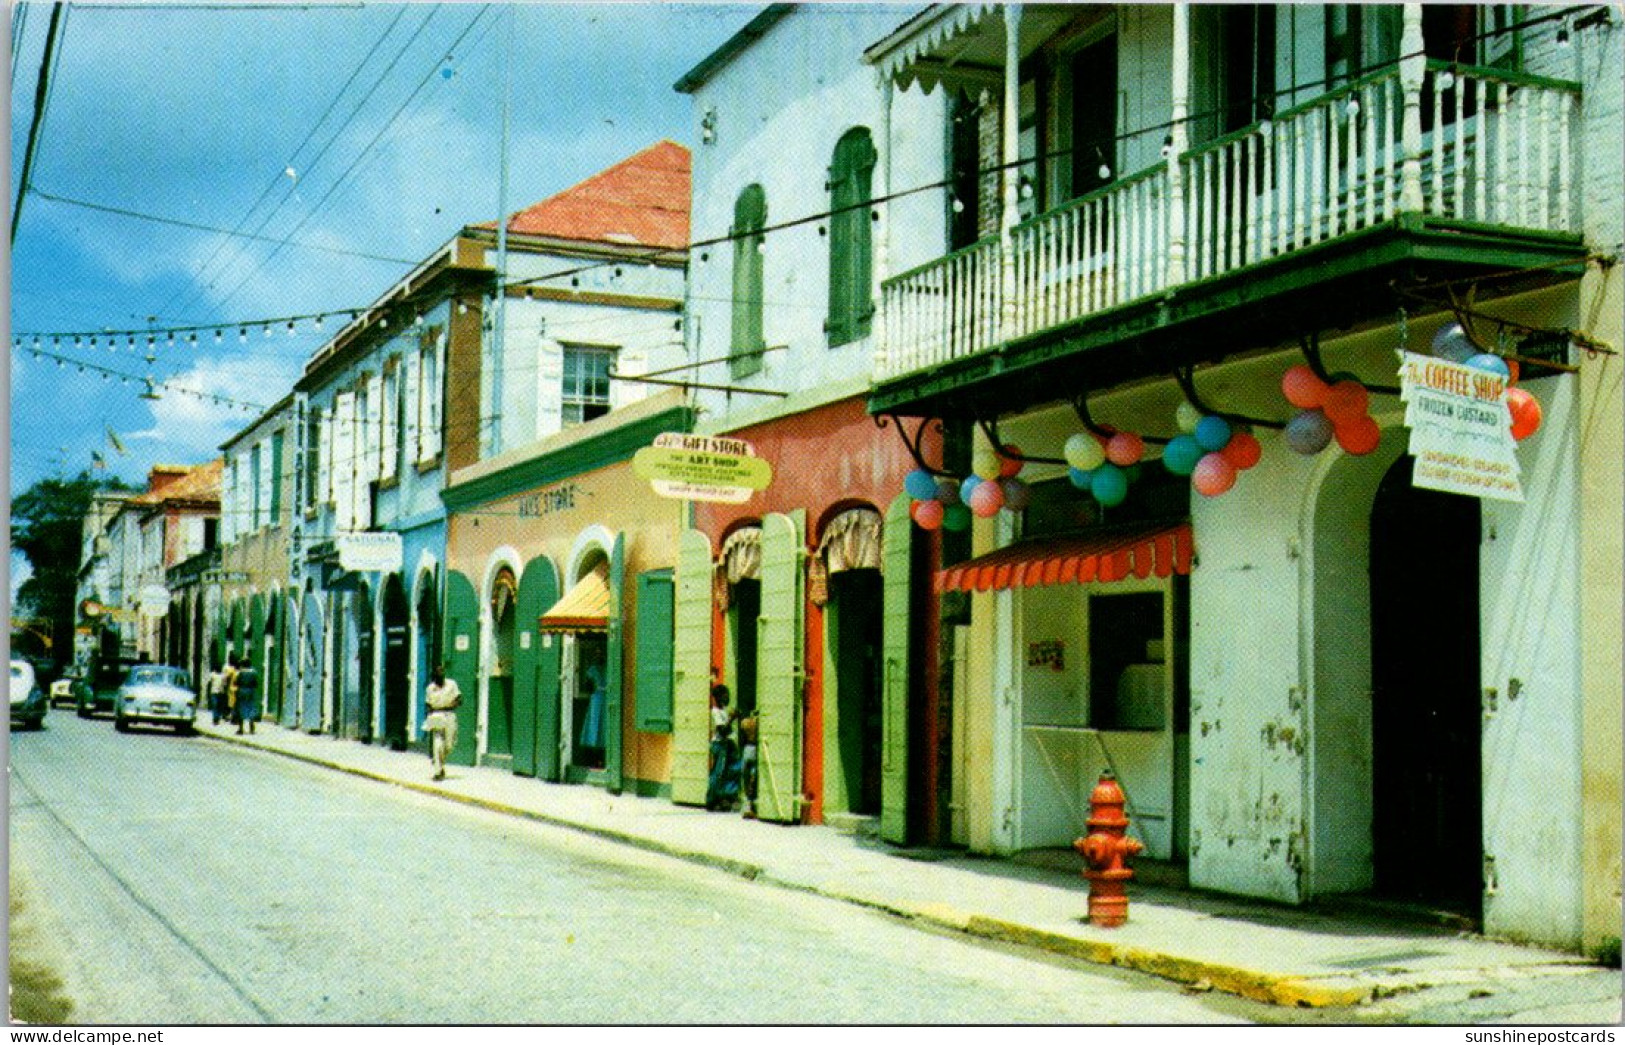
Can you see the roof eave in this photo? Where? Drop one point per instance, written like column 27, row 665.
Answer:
column 754, row 30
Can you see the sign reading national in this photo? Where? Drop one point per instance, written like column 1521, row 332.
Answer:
column 1461, row 429
column 702, row 468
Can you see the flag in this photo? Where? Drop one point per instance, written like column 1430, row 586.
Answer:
column 114, row 441
column 97, row 460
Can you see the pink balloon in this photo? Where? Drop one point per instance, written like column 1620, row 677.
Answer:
column 1359, row 436
column 928, row 514
column 986, row 500
column 1213, row 475
column 1302, row 387
column 1345, row 401
column 1243, row 451
column 1009, row 467
column 1124, row 449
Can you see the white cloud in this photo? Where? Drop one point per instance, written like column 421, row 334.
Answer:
column 189, row 424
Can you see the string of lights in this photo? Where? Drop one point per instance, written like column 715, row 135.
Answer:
column 151, row 386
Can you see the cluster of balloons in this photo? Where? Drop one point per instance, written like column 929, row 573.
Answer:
column 1453, row 344
column 1210, row 450
column 947, row 503
column 1339, row 408
column 1104, row 465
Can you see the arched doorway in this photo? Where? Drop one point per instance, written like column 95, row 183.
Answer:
column 580, row 621
column 1427, row 833
column 504, row 644
column 849, row 558
column 427, row 622
column 397, row 662
column 358, row 695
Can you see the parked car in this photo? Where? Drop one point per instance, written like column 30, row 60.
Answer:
column 65, row 690
column 27, row 700
column 106, row 675
column 158, row 694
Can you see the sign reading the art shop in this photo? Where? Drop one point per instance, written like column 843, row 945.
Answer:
column 369, row 552
column 702, row 468
column 1461, row 429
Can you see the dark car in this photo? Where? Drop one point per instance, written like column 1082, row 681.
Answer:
column 65, row 690
column 98, row 690
column 27, row 699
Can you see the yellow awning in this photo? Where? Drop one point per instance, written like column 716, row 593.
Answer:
column 584, row 607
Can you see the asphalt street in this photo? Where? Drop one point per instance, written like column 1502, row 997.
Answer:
column 177, row 881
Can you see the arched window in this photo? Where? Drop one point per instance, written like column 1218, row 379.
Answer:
column 851, row 175
column 750, row 216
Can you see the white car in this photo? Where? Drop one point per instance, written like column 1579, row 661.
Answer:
column 158, row 694
column 27, row 700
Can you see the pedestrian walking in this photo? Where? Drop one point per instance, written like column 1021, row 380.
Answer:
column 229, row 704
column 246, row 703
column 722, row 787
column 443, row 696
column 216, row 688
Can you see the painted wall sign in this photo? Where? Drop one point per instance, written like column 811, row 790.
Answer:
column 546, row 502
column 368, row 552
column 1461, row 429
column 702, row 468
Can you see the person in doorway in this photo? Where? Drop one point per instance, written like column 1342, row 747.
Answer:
column 747, row 763
column 246, row 696
column 442, row 696
column 216, row 688
column 722, row 787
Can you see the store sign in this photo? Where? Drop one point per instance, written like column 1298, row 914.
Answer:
column 1461, row 429
column 702, row 468
column 369, row 552
column 154, row 600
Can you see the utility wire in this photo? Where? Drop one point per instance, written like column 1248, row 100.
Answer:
column 52, row 38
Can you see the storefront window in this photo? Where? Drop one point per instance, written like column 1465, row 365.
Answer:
column 1127, row 682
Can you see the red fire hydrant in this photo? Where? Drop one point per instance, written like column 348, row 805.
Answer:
column 1105, row 850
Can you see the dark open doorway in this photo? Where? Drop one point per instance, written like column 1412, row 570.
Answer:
column 397, row 662
column 855, row 613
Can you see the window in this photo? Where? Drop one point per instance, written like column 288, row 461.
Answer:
column 750, row 216
column 851, row 174
column 254, row 465
column 276, row 478
column 313, row 457
column 1126, row 655
column 390, row 415
column 586, row 382
column 429, row 392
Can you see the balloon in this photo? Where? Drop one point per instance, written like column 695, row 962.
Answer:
column 1452, row 343
column 1212, row 433
column 1345, row 401
column 948, row 490
column 955, row 518
column 1016, row 493
column 1308, row 432
column 1302, row 387
column 1009, row 467
column 1181, row 454
column 1513, row 371
column 928, row 514
column 1186, row 415
column 986, row 500
column 1084, row 452
column 967, row 487
column 1213, row 475
column 985, row 463
column 1109, row 485
column 1079, row 477
column 1243, row 451
column 1490, row 363
column 1125, row 448
column 1525, row 410
column 1359, row 436
column 920, row 485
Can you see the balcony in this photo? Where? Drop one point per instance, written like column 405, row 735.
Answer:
column 1332, row 188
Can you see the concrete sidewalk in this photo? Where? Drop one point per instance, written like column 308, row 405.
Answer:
column 1266, row 952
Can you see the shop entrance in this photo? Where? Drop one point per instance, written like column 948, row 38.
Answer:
column 1426, row 791
column 397, row 615
column 586, row 656
column 855, row 633
column 499, row 721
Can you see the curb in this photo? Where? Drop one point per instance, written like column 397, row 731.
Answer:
column 1273, row 989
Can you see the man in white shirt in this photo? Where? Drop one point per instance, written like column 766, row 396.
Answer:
column 442, row 696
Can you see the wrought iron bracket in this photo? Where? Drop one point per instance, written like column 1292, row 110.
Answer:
column 1187, row 384
column 1311, row 354
column 1080, row 406
column 912, row 444
column 991, row 430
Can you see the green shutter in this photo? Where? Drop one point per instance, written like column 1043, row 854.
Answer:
column 851, row 177
column 255, row 639
column 750, row 215
column 613, row 755
column 895, row 645
column 654, row 651
column 462, row 659
column 276, row 478
column 538, row 591
column 779, row 671
column 691, row 669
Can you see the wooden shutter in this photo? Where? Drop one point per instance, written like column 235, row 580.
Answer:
column 779, row 671
column 850, row 243
column 276, row 478
column 750, row 214
column 538, row 590
column 629, row 363
column 549, row 388
column 462, row 659
column 654, row 651
column 896, row 554
column 691, row 669
column 615, row 666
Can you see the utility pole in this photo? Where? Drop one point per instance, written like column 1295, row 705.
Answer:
column 40, row 92
column 499, row 336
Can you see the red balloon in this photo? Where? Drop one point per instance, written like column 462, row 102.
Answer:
column 1213, row 475
column 986, row 500
column 928, row 514
column 1359, row 436
column 1124, row 449
column 1009, row 467
column 1345, row 401
column 1243, row 451
column 1526, row 414
column 1512, row 371
column 1302, row 387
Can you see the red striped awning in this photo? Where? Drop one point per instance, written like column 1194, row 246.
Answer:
column 1100, row 556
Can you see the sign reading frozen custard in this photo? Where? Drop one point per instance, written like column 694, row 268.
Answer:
column 1461, row 430
column 702, row 468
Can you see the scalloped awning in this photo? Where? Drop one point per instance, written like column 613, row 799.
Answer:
column 961, row 45
column 1101, row 556
column 584, row 607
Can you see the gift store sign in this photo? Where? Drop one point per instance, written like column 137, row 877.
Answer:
column 702, row 468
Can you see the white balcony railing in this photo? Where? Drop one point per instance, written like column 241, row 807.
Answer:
column 1495, row 149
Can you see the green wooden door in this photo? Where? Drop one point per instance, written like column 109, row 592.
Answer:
column 538, row 591
column 613, row 666
column 779, row 671
column 255, row 637
column 462, row 659
column 895, row 561
column 653, row 642
column 691, row 670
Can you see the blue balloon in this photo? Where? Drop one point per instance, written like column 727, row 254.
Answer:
column 1488, row 361
column 1212, row 433
column 1079, row 477
column 920, row 485
column 1181, row 454
column 1109, row 485
column 1452, row 343
column 970, row 483
column 1308, row 432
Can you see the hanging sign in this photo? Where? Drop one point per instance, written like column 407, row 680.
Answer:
column 1461, row 429
column 368, row 552
column 153, row 600
column 702, row 468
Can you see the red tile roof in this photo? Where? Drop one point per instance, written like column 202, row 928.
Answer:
column 643, row 201
column 200, row 483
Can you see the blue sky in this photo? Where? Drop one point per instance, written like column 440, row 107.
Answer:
column 361, row 129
